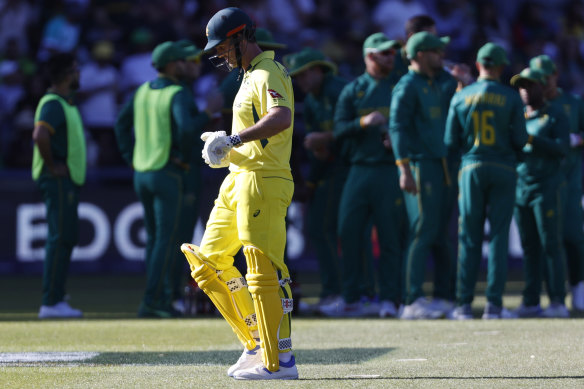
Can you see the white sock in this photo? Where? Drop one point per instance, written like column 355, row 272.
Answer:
column 285, row 357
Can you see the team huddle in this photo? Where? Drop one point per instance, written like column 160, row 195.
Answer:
column 396, row 151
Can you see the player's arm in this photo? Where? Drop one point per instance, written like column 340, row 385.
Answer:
column 558, row 143
column 577, row 139
column 51, row 117
column 454, row 130
column 277, row 119
column 518, row 129
column 42, row 138
column 400, row 122
column 123, row 131
column 347, row 122
column 182, row 108
column 273, row 99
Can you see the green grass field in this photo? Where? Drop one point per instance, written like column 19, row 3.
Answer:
column 110, row 348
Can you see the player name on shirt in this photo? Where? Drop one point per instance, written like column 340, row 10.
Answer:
column 485, row 98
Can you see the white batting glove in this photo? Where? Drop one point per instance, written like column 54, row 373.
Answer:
column 209, row 154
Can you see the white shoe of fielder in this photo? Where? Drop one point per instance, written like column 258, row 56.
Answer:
column 59, row 310
column 556, row 310
column 420, row 309
column 578, row 296
column 248, row 358
column 388, row 309
column 287, row 371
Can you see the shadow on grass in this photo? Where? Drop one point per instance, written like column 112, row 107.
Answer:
column 367, row 378
column 227, row 357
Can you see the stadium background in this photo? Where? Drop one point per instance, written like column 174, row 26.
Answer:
column 112, row 234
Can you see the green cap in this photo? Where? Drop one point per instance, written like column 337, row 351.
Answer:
column 424, row 41
column 226, row 23
column 530, row 75
column 265, row 39
column 544, row 64
column 191, row 51
column 492, row 54
column 378, row 42
column 165, row 53
column 308, row 57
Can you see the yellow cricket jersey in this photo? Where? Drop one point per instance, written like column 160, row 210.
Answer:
column 266, row 84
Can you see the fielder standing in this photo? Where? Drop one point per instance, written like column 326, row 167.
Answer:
column 572, row 166
column 371, row 191
column 486, row 125
column 58, row 168
column 316, row 76
column 251, row 207
column 160, row 113
column 538, row 207
column 193, row 182
column 417, row 122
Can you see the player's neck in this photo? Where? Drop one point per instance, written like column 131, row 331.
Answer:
column 251, row 51
column 62, row 89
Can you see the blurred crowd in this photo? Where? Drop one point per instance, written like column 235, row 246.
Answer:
column 113, row 40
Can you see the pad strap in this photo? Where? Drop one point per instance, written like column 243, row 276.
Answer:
column 236, row 284
column 251, row 320
column 208, row 280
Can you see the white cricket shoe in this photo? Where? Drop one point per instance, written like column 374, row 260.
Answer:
column 179, row 306
column 287, row 371
column 59, row 310
column 370, row 306
column 443, row 306
column 556, row 310
column 342, row 309
column 578, row 296
column 420, row 309
column 248, row 358
column 462, row 312
column 387, row 309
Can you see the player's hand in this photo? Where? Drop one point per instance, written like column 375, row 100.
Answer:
column 214, row 155
column 462, row 74
column 576, row 140
column 317, row 140
column 318, row 143
column 374, row 118
column 386, row 141
column 406, row 180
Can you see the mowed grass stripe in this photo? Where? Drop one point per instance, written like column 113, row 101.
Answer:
column 330, row 353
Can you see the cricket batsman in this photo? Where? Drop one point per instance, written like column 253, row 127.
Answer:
column 251, row 207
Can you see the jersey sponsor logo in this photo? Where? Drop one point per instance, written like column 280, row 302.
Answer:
column 274, row 94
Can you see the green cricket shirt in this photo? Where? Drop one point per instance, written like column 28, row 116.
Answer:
column 359, row 98
column 417, row 117
column 486, row 123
